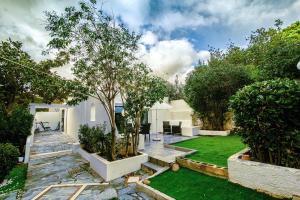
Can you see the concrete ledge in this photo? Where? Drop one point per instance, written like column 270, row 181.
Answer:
column 155, row 194
column 278, row 181
column 206, row 168
column 214, row 133
column 83, row 153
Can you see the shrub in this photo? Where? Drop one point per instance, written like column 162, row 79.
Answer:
column 208, row 90
column 94, row 139
column 267, row 114
column 8, row 158
column 15, row 126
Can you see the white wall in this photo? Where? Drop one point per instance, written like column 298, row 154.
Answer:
column 81, row 114
column 180, row 112
column 52, row 117
column 276, row 180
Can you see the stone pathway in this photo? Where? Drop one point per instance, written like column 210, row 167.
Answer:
column 157, row 150
column 69, row 176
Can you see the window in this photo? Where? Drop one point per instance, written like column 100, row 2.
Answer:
column 93, row 112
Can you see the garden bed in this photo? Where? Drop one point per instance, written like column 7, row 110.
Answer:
column 275, row 180
column 187, row 184
column 213, row 149
column 110, row 170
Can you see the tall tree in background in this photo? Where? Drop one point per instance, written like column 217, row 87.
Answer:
column 101, row 50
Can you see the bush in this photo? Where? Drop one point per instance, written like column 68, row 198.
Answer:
column 208, row 90
column 8, row 158
column 15, row 126
column 267, row 114
column 94, row 139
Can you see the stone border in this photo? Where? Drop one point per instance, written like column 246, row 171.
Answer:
column 278, row 181
column 214, row 133
column 155, row 194
column 206, row 168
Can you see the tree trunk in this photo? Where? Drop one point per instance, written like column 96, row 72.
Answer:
column 113, row 129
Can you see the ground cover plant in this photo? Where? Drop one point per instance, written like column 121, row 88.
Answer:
column 213, row 149
column 187, row 184
column 16, row 179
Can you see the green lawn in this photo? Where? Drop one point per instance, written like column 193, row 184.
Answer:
column 187, row 184
column 17, row 176
column 213, row 149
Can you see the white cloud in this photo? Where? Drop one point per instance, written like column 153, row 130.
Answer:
column 170, row 57
column 149, row 38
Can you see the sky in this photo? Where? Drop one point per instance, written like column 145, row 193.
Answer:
column 176, row 34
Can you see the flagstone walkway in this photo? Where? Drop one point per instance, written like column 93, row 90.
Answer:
column 68, row 176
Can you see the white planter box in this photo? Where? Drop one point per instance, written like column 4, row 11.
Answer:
column 111, row 170
column 190, row 131
column 275, row 180
column 115, row 169
column 84, row 154
column 214, row 133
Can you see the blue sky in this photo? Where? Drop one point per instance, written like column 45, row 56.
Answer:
column 175, row 33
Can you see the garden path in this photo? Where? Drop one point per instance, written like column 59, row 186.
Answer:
column 55, row 173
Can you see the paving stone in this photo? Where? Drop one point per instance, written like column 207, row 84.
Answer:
column 108, row 193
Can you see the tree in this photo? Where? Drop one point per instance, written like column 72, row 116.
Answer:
column 208, row 90
column 175, row 91
column 101, row 50
column 140, row 90
column 22, row 80
column 276, row 51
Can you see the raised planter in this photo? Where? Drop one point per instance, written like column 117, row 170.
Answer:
column 111, row 170
column 214, row 133
column 190, row 131
column 275, row 180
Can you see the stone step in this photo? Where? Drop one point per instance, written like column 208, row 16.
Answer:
column 158, row 162
column 50, row 154
column 148, row 166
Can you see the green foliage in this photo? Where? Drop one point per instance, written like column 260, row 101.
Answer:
column 140, row 90
column 94, row 139
column 17, row 177
column 276, row 51
column 8, row 158
column 187, row 184
column 214, row 150
column 175, row 91
column 208, row 89
column 101, row 49
column 22, row 79
column 267, row 114
column 15, row 126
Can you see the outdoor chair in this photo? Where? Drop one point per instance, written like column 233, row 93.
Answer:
column 176, row 129
column 166, row 127
column 145, row 130
column 45, row 127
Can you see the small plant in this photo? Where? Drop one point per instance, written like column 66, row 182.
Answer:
column 267, row 114
column 8, row 158
column 94, row 139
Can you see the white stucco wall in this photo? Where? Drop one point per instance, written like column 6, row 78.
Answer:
column 276, row 180
column 180, row 112
column 81, row 114
column 52, row 117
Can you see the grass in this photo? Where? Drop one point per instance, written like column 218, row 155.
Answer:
column 187, row 184
column 16, row 177
column 213, row 149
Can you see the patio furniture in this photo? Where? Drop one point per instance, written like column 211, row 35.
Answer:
column 45, row 126
column 145, row 130
column 176, row 129
column 166, row 127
